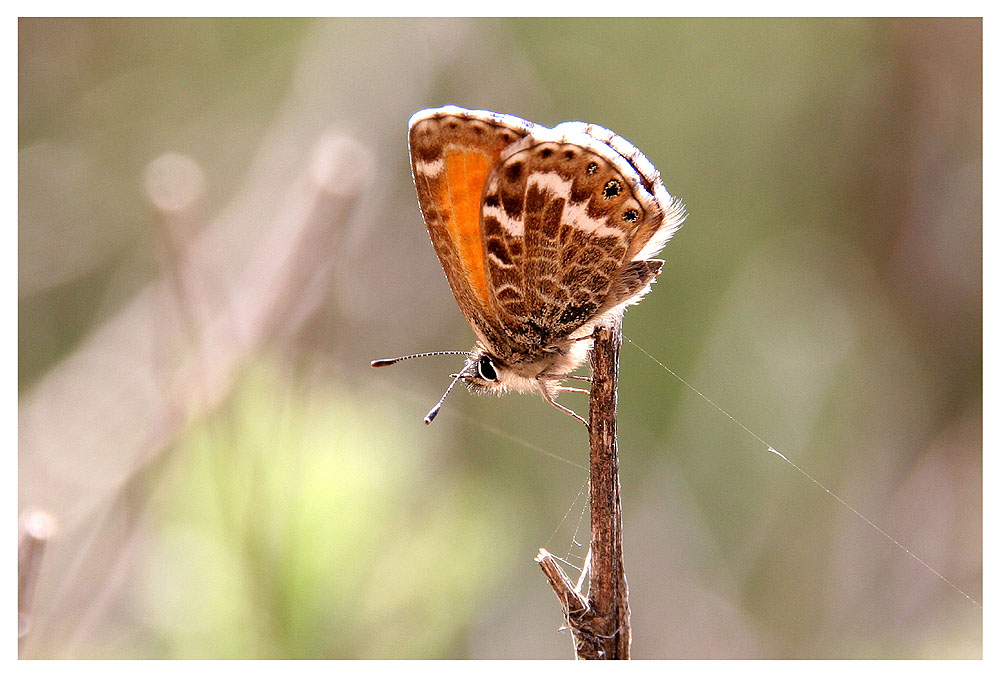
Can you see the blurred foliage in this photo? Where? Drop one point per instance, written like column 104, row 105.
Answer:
column 826, row 291
column 291, row 533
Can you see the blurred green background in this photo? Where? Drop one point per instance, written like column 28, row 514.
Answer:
column 217, row 231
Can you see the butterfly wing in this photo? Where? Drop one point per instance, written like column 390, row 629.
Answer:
column 452, row 151
column 568, row 222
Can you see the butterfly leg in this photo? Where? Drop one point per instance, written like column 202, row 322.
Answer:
column 580, row 378
column 567, row 389
column 565, row 410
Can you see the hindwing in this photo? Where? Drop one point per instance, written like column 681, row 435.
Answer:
column 564, row 216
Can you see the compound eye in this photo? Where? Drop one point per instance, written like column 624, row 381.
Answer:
column 486, row 370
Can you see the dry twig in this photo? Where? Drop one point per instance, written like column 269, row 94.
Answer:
column 600, row 622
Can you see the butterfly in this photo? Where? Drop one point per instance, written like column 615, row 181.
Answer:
column 542, row 234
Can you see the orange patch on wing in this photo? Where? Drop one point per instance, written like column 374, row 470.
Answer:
column 465, row 176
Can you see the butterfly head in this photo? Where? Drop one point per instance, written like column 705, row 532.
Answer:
column 481, row 373
column 485, row 372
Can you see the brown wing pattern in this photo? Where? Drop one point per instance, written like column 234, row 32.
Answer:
column 559, row 220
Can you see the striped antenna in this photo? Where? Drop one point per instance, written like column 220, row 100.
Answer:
column 393, row 360
column 437, row 407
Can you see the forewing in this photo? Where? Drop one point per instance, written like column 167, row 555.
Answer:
column 452, row 151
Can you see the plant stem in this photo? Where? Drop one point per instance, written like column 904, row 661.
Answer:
column 600, row 622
